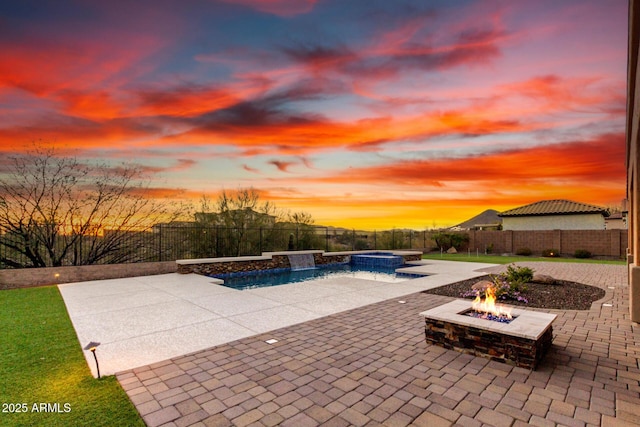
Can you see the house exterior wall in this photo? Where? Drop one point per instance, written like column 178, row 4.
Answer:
column 633, row 159
column 616, row 224
column 554, row 222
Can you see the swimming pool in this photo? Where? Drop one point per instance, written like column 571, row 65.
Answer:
column 261, row 279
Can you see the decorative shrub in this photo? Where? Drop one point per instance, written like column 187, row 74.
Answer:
column 517, row 277
column 581, row 253
column 524, row 252
column 508, row 290
column 553, row 253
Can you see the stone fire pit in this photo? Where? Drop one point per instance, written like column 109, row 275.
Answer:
column 522, row 342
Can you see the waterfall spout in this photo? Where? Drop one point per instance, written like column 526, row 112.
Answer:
column 301, row 262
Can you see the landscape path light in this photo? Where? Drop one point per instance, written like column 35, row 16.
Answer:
column 92, row 347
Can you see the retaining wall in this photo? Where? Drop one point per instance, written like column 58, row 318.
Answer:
column 31, row 277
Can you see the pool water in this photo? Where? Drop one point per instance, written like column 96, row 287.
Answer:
column 266, row 279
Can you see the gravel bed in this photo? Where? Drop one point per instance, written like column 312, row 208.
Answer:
column 562, row 295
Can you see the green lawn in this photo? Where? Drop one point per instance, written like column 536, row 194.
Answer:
column 499, row 259
column 41, row 362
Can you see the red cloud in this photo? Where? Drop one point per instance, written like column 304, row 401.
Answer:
column 85, row 75
column 282, row 166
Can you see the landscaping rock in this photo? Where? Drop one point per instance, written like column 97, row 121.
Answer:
column 481, row 285
column 544, row 279
column 452, row 250
column 564, row 296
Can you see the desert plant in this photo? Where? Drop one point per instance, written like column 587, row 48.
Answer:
column 553, row 253
column 518, row 277
column 506, row 289
column 582, row 253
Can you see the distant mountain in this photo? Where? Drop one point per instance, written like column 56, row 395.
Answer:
column 488, row 217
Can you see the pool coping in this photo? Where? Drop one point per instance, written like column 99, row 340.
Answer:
column 269, row 255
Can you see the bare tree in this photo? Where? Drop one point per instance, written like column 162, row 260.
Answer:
column 300, row 218
column 55, row 210
column 244, row 213
column 306, row 237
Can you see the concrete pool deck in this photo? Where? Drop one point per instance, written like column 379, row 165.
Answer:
column 144, row 320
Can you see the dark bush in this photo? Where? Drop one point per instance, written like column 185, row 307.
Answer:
column 554, row 253
column 524, row 252
column 581, row 253
column 448, row 240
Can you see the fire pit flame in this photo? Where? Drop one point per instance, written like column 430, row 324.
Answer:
column 488, row 309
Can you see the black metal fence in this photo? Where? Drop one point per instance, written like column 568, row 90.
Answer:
column 168, row 242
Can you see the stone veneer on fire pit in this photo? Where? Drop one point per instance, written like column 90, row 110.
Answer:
column 521, row 342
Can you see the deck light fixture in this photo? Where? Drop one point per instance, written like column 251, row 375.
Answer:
column 92, row 347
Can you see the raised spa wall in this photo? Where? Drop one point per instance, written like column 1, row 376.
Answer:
column 272, row 260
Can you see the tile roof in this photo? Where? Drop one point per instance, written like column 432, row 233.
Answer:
column 553, row 207
column 488, row 217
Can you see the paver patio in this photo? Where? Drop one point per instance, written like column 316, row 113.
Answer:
column 371, row 366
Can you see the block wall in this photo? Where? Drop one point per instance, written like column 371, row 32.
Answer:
column 601, row 243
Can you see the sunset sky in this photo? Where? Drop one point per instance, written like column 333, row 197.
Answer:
column 366, row 114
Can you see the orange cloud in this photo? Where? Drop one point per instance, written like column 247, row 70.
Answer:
column 559, row 93
column 587, row 161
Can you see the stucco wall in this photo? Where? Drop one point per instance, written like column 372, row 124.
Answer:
column 554, row 222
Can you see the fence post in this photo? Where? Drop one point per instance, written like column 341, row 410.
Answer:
column 160, row 242
column 410, row 239
column 326, row 239
column 375, row 240
column 217, row 242
column 260, row 245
